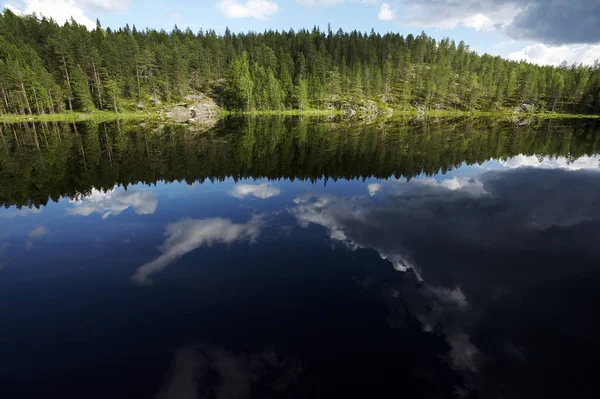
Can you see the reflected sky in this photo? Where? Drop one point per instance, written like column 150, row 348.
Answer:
column 114, row 202
column 478, row 282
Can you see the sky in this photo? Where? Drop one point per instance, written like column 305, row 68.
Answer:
column 539, row 31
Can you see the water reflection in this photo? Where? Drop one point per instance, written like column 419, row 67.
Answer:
column 71, row 163
column 113, row 202
column 190, row 234
column 196, row 368
column 296, row 258
column 262, row 191
column 34, row 234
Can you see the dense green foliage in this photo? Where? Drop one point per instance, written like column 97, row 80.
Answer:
column 46, row 68
column 46, row 161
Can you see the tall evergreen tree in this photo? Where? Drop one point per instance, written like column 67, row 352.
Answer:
column 82, row 99
column 46, row 67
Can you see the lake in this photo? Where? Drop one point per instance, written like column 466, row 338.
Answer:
column 300, row 257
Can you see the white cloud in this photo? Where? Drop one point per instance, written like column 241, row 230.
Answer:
column 59, row 10
column 259, row 9
column 38, row 231
column 14, row 212
column 34, row 234
column 330, row 3
column 480, row 15
column 386, row 13
column 107, row 5
column 114, row 202
column 470, row 186
column 189, row 234
column 584, row 162
column 334, row 214
column 262, row 191
column 64, row 10
column 454, row 296
column 553, row 55
column 319, row 3
column 374, row 188
column 463, row 353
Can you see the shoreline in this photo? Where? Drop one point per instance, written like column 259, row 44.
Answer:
column 106, row 116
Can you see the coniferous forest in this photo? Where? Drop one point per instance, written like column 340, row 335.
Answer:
column 47, row 161
column 50, row 68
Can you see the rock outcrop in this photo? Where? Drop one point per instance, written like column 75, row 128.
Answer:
column 366, row 110
column 525, row 108
column 198, row 109
column 179, row 114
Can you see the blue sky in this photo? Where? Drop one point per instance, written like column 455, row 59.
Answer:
column 541, row 31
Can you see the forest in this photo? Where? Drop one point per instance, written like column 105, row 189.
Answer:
column 47, row 68
column 41, row 162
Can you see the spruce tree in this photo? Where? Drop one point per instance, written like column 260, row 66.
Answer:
column 82, row 99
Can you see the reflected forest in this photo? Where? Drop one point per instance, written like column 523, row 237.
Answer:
column 41, row 162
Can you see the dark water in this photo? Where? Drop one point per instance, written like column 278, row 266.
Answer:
column 300, row 258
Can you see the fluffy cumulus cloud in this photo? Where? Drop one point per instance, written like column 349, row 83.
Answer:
column 35, row 234
column 262, row 191
column 189, row 234
column 64, row 10
column 446, row 14
column 374, row 188
column 259, row 9
column 386, row 13
column 108, row 5
column 114, row 202
column 329, row 3
column 543, row 54
column 584, row 162
column 451, row 296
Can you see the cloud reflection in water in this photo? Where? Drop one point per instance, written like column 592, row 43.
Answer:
column 472, row 242
column 113, row 202
column 262, row 191
column 189, row 234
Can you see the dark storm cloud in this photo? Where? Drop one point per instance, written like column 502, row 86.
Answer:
column 558, row 21
column 546, row 21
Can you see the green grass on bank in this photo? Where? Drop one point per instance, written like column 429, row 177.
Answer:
column 104, row 116
column 96, row 116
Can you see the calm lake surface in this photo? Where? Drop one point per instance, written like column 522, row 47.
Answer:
column 300, row 258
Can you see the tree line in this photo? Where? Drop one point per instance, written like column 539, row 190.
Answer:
column 48, row 161
column 50, row 68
